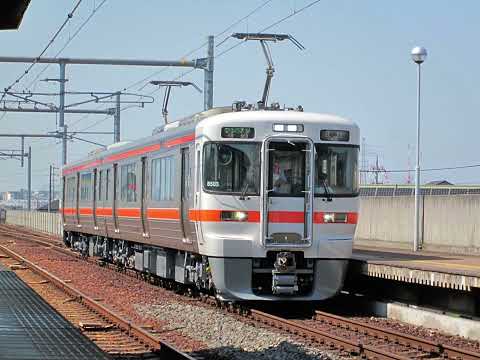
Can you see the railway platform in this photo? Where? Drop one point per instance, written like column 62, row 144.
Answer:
column 31, row 329
column 452, row 271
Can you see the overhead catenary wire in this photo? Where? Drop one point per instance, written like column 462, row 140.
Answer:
column 143, row 80
column 229, row 27
column 71, row 38
column 277, row 22
column 52, row 40
column 423, row 170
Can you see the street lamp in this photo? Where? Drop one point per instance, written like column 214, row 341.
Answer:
column 419, row 54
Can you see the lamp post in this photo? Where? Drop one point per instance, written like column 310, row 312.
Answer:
column 419, row 55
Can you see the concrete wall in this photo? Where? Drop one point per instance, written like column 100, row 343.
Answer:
column 42, row 221
column 449, row 223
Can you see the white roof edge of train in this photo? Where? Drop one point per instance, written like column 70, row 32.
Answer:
column 214, row 114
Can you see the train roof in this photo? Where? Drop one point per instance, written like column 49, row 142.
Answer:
column 210, row 117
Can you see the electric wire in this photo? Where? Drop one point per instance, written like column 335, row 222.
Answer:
column 279, row 21
column 229, row 27
column 143, row 80
column 423, row 170
column 71, row 38
column 52, row 40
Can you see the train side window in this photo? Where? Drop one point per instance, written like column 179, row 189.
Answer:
column 85, row 187
column 71, row 189
column 100, row 185
column 163, row 171
column 128, row 183
column 107, row 176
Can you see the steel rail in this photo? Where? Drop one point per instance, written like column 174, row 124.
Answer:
column 316, row 335
column 324, row 337
column 395, row 336
column 161, row 347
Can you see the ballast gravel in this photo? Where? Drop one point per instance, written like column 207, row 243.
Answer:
column 228, row 337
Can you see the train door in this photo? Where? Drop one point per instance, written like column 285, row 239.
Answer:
column 287, row 191
column 143, row 199
column 106, row 196
column 115, row 197
column 64, row 197
column 185, row 195
column 94, row 199
column 77, row 199
column 198, row 187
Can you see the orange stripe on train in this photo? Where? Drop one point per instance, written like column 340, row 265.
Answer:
column 281, row 217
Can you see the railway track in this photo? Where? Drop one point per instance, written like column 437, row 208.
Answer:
column 113, row 333
column 327, row 330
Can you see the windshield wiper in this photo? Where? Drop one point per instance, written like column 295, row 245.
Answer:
column 244, row 191
column 327, row 192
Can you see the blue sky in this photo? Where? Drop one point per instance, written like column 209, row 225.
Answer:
column 356, row 64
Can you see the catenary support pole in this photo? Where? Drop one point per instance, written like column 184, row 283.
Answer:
column 64, row 144
column 49, row 189
column 208, row 75
column 116, row 120
column 61, row 113
column 29, row 180
column 22, row 150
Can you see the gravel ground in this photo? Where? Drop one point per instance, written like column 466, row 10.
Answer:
column 229, row 337
column 188, row 324
column 425, row 333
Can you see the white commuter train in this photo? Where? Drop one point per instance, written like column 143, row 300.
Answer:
column 247, row 204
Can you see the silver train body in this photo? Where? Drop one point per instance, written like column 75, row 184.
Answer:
column 249, row 205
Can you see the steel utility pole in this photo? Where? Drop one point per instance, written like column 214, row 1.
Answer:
column 29, row 181
column 208, row 76
column 49, row 189
column 201, row 63
column 419, row 55
column 116, row 120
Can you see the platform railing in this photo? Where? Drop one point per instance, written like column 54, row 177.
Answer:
column 50, row 223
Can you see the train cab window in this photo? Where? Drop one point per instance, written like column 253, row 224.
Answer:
column 163, row 174
column 336, row 170
column 71, row 187
column 287, row 169
column 232, row 167
column 86, row 187
column 128, row 183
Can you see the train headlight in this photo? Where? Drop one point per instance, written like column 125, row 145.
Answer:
column 328, row 218
column 234, row 216
column 335, row 218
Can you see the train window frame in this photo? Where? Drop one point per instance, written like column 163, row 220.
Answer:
column 346, row 195
column 126, row 191
column 234, row 193
column 156, row 184
column 100, row 184
column 86, row 187
column 107, row 179
column 71, row 182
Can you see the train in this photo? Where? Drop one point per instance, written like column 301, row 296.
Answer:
column 247, row 204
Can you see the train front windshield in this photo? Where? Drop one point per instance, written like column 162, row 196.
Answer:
column 232, row 167
column 336, row 170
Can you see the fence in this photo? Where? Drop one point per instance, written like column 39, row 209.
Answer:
column 447, row 223
column 42, row 221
